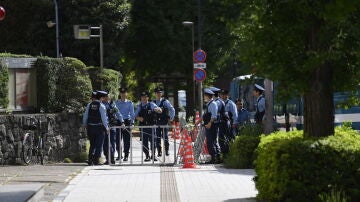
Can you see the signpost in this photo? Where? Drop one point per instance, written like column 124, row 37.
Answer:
column 199, row 56
column 200, row 65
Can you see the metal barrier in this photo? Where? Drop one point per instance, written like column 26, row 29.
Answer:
column 153, row 136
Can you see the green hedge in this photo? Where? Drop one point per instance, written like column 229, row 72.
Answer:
column 4, row 89
column 63, row 84
column 109, row 78
column 241, row 154
column 291, row 168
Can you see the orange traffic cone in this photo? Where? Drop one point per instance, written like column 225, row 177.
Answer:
column 197, row 118
column 189, row 154
column 182, row 143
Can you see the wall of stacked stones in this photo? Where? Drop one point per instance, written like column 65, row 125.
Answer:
column 64, row 136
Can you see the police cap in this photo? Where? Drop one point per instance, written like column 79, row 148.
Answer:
column 259, row 88
column 123, row 89
column 224, row 91
column 208, row 91
column 158, row 90
column 102, row 93
column 214, row 89
column 144, row 93
column 93, row 94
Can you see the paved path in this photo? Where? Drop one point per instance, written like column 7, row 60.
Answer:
column 149, row 182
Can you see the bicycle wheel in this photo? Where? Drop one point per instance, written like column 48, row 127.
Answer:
column 27, row 148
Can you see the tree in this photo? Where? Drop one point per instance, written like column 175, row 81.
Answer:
column 24, row 30
column 310, row 47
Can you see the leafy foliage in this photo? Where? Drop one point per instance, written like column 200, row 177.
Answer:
column 108, row 79
column 292, row 168
column 65, row 85
column 4, row 78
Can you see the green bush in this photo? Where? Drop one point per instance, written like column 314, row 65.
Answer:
column 4, row 91
column 110, row 80
column 241, row 154
column 63, row 84
column 292, row 168
column 250, row 129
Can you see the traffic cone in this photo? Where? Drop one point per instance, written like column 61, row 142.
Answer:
column 197, row 118
column 173, row 130
column 182, row 143
column 189, row 154
column 177, row 130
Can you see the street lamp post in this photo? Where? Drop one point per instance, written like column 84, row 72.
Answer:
column 191, row 24
column 57, row 28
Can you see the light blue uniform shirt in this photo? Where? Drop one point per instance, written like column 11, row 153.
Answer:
column 230, row 106
column 220, row 104
column 152, row 107
column 168, row 106
column 126, row 109
column 260, row 103
column 102, row 110
column 213, row 108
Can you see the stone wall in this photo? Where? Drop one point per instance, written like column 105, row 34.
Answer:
column 65, row 136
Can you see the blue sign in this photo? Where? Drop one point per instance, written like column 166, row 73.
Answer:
column 199, row 56
column 199, row 75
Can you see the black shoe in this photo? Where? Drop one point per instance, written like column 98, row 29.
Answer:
column 159, row 154
column 90, row 163
column 147, row 159
column 152, row 158
column 106, row 163
column 167, row 153
column 125, row 158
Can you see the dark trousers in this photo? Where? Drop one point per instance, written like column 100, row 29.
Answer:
column 161, row 134
column 147, row 136
column 112, row 144
column 96, row 136
column 211, row 141
column 224, row 137
column 125, row 136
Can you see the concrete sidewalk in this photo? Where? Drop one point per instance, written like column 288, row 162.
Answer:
column 153, row 182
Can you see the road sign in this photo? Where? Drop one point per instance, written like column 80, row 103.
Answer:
column 199, row 56
column 200, row 65
column 2, row 13
column 199, row 75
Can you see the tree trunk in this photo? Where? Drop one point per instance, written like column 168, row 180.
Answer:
column 319, row 104
column 190, row 99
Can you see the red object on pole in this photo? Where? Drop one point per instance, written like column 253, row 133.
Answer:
column 2, row 13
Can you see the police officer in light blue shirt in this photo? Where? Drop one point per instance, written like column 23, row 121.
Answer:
column 209, row 118
column 115, row 118
column 231, row 111
column 167, row 115
column 145, row 114
column 126, row 108
column 96, row 121
column 222, row 122
column 260, row 103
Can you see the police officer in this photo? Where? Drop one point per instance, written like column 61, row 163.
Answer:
column 145, row 115
column 260, row 103
column 126, row 108
column 209, row 118
column 230, row 109
column 222, row 121
column 167, row 115
column 96, row 121
column 115, row 118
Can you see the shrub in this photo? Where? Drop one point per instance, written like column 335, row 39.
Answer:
column 291, row 168
column 250, row 129
column 63, row 84
column 109, row 78
column 4, row 78
column 241, row 154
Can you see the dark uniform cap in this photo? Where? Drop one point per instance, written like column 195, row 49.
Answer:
column 123, row 89
column 144, row 93
column 214, row 89
column 93, row 94
column 258, row 87
column 102, row 93
column 158, row 89
column 208, row 91
column 224, row 91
